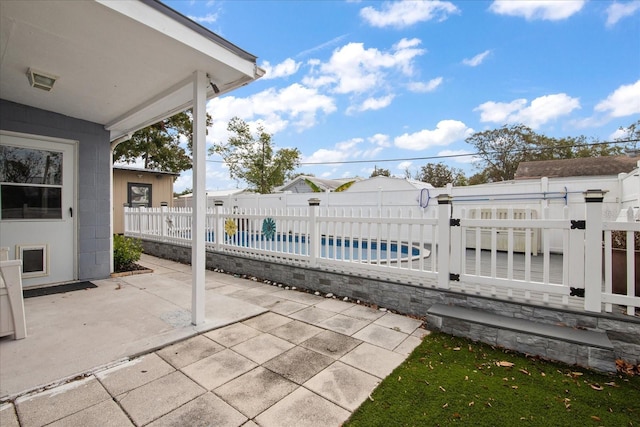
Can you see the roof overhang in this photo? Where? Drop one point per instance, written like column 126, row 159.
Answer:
column 122, row 64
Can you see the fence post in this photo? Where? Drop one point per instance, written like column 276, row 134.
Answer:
column 314, row 238
column 593, row 250
column 218, row 227
column 444, row 240
column 163, row 219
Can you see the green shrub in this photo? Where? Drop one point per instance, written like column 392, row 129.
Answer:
column 126, row 252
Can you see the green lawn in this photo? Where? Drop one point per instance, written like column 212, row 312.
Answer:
column 452, row 381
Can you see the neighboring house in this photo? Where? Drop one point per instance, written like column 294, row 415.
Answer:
column 186, row 200
column 387, row 183
column 586, row 166
column 77, row 78
column 311, row 184
column 136, row 187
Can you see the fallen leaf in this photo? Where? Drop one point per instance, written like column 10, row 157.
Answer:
column 457, row 415
column 441, row 388
column 515, row 387
column 456, row 348
column 466, row 378
column 399, row 378
column 577, row 374
column 593, row 417
column 472, row 403
column 445, row 405
column 611, row 384
column 596, row 387
column 543, row 374
column 504, row 364
column 524, row 371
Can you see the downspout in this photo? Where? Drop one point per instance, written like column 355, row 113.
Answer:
column 114, row 144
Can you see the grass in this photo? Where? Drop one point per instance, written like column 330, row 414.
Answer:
column 453, row 381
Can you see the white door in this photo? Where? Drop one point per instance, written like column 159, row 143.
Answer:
column 37, row 206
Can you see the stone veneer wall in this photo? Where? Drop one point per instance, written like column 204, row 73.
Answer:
column 623, row 331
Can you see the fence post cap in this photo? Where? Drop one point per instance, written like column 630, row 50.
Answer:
column 591, row 196
column 218, row 202
column 444, row 199
column 314, row 201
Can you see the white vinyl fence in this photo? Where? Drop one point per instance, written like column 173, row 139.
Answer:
column 502, row 254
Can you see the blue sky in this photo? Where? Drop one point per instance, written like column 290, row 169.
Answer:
column 358, row 80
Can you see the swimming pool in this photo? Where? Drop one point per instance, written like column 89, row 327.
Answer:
column 330, row 247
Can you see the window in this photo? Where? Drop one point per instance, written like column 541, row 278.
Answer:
column 139, row 195
column 30, row 183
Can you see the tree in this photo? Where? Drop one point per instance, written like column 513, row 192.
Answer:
column 380, row 172
column 159, row 144
column 501, row 150
column 632, row 135
column 253, row 158
column 439, row 175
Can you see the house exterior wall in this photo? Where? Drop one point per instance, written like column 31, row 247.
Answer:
column 161, row 191
column 93, row 204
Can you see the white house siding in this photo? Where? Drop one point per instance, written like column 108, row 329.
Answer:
column 93, row 206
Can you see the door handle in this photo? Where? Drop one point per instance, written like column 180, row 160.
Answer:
column 71, row 212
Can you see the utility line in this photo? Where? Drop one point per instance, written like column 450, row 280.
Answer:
column 448, row 156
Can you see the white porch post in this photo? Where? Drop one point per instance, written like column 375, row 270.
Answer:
column 199, row 212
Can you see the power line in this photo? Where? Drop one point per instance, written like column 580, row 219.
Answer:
column 448, row 156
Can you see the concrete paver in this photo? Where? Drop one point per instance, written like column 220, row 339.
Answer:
column 344, row 385
column 303, row 408
column 159, row 397
column 213, row 371
column 204, row 411
column 307, row 361
column 52, row 405
column 255, row 391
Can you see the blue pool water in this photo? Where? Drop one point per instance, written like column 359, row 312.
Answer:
column 330, row 247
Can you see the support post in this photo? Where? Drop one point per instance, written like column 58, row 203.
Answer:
column 593, row 250
column 314, row 238
column 218, row 226
column 444, row 240
column 199, row 210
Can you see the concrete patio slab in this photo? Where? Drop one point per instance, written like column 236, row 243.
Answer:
column 344, row 385
column 255, row 391
column 8, row 416
column 134, row 374
column 159, row 397
column 204, row 411
column 301, row 297
column 343, row 324
column 267, row 321
column 363, row 312
column 108, row 411
column 213, row 371
column 399, row 323
column 284, row 306
column 303, row 408
column 407, row 346
column 334, row 305
column 262, row 348
column 51, row 405
column 298, row 364
column 232, row 334
column 373, row 359
column 296, row 331
column 312, row 315
column 191, row 350
column 331, row 344
column 381, row 336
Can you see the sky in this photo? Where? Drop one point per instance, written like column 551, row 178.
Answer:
column 400, row 84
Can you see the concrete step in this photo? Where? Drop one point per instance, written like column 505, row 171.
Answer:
column 591, row 349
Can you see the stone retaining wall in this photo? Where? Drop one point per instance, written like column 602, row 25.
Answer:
column 622, row 330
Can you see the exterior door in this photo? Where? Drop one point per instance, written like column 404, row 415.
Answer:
column 37, row 206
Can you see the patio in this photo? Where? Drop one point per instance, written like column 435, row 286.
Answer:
column 276, row 356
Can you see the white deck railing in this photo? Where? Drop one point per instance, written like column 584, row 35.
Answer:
column 430, row 249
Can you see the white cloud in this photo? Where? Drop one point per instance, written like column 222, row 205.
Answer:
column 619, row 134
column 380, row 140
column 476, row 60
column 445, row 133
column 551, row 10
column 295, row 105
column 422, row 87
column 342, row 151
column 209, row 18
column 371, row 104
column 624, row 101
column 354, row 69
column 540, row 111
column 286, row 68
column 403, row 166
column 617, row 11
column 405, row 13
